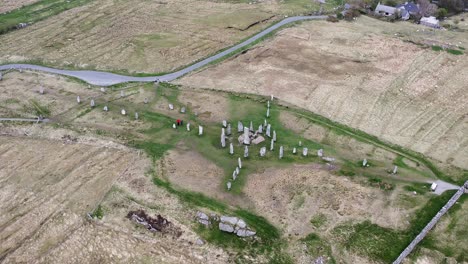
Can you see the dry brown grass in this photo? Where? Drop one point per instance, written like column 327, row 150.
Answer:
column 8, row 5
column 136, row 36
column 361, row 75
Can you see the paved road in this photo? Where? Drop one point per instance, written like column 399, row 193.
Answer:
column 106, row 79
column 24, row 120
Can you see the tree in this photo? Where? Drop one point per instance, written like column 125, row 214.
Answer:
column 442, row 12
column 426, row 8
column 455, row 6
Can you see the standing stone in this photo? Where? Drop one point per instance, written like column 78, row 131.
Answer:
column 268, row 130
column 237, row 170
column 231, row 149
column 272, row 97
column 240, row 127
column 260, row 129
column 239, row 162
column 228, row 185
column 224, row 123
column 304, row 152
column 272, row 145
column 41, row 90
column 182, row 110
column 364, row 163
column 268, row 104
column 78, row 100
column 223, row 131
column 294, row 150
column 145, row 101
column 274, row 135
column 320, row 152
column 136, row 116
column 92, row 103
column 246, row 136
column 395, row 170
column 123, row 112
column 268, row 112
column 122, row 94
column 200, row 130
column 171, row 107
column 281, row 152
column 223, row 140
column 262, row 152
column 1, row 76
column 246, row 151
column 106, row 108
column 188, row 127
column 251, row 126
column 300, row 143
column 265, row 123
column 234, row 175
column 174, row 126
column 103, row 89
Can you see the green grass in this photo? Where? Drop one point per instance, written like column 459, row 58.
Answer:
column 455, row 52
column 317, row 246
column 98, row 213
column 437, row 48
column 385, row 244
column 318, row 220
column 36, row 12
column 37, row 108
column 419, row 188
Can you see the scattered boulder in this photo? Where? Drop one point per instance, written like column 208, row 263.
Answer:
column 229, row 219
column 226, row 227
column 245, row 233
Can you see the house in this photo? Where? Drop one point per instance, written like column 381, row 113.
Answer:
column 410, row 7
column 430, row 22
column 383, row 10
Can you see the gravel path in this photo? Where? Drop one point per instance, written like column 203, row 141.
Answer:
column 106, row 79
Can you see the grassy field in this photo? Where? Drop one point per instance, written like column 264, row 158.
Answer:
column 343, row 71
column 367, row 193
column 139, row 37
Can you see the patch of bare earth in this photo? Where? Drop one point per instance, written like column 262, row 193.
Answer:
column 359, row 75
column 189, row 170
column 209, row 106
column 8, row 5
column 18, row 91
column 47, row 187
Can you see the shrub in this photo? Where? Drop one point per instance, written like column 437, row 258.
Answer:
column 442, row 12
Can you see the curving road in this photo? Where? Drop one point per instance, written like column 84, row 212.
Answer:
column 106, row 79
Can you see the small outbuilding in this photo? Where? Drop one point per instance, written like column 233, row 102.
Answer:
column 430, row 22
column 433, row 186
column 383, row 10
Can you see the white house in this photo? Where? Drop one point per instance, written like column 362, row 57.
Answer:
column 433, row 186
column 384, row 10
column 430, row 22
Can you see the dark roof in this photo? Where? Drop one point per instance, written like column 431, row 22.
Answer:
column 409, row 6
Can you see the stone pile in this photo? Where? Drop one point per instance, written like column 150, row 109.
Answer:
column 249, row 135
column 229, row 224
